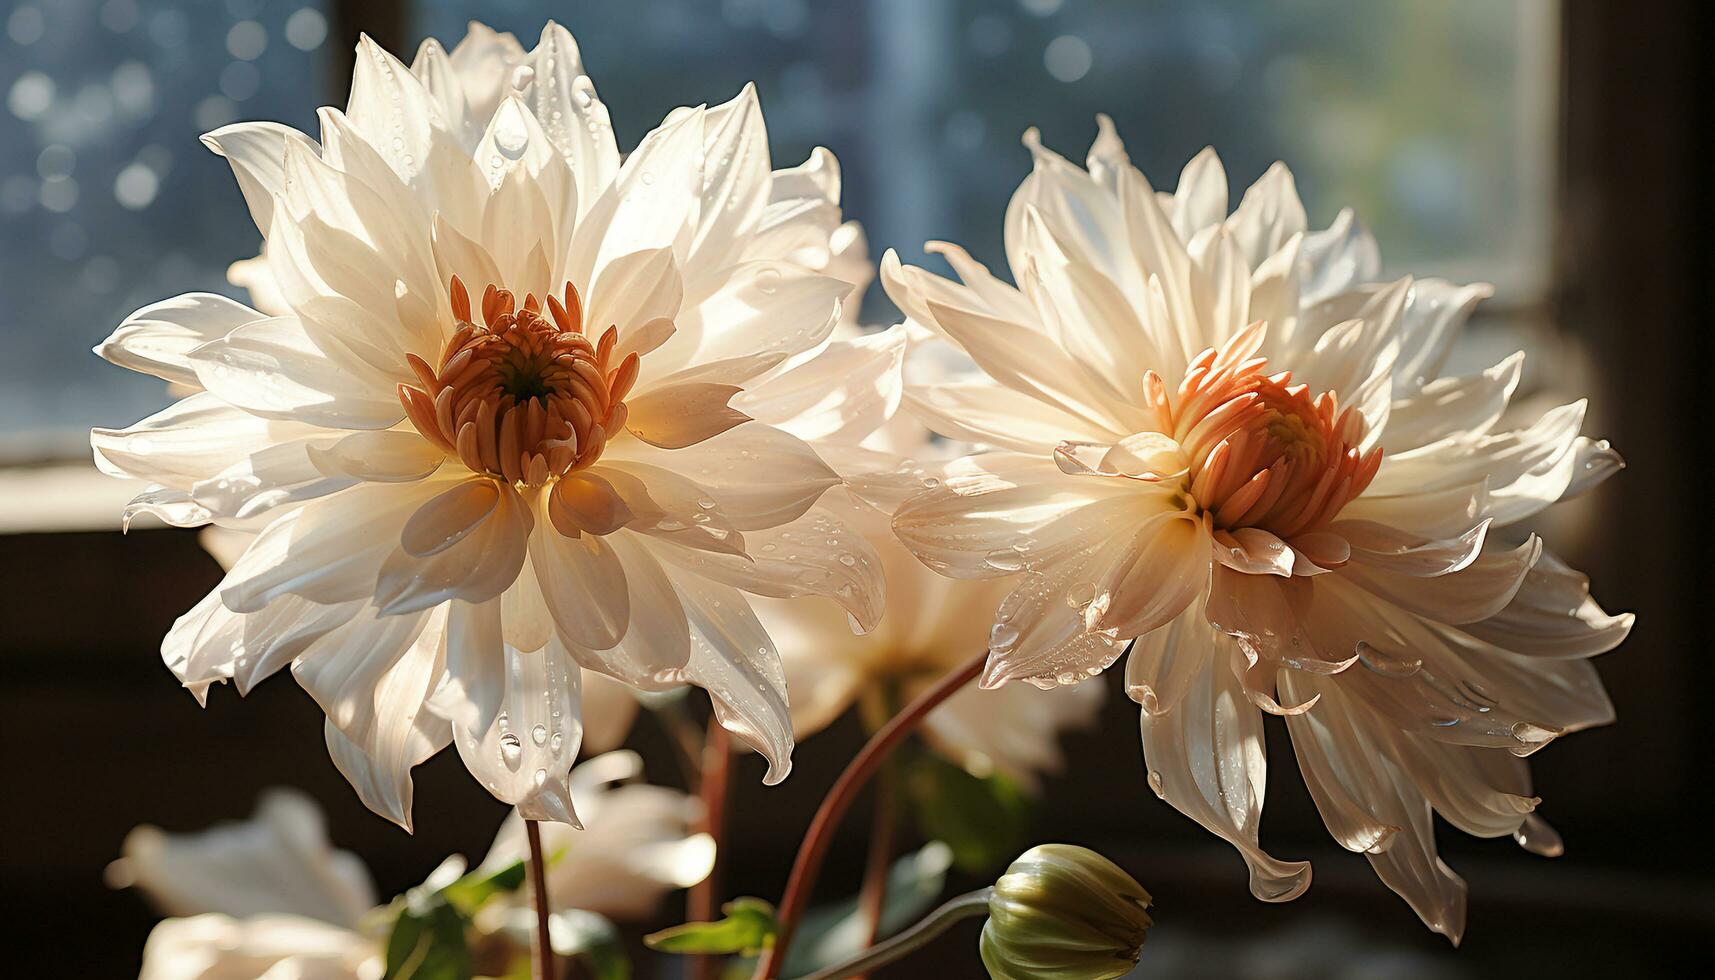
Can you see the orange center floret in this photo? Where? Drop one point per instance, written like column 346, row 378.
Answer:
column 521, row 396
column 1261, row 451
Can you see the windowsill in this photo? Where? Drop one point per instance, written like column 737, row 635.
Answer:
column 65, row 497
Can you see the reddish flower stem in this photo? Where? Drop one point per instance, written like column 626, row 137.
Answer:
column 704, row 899
column 839, row 799
column 872, row 898
column 542, row 965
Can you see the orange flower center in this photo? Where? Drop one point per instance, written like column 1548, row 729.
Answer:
column 520, row 395
column 1260, row 451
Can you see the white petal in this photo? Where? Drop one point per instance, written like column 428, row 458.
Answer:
column 574, row 117
column 760, row 307
column 389, row 456
column 582, row 584
column 1200, row 198
column 378, row 728
column 633, row 291
column 1269, row 215
column 1479, row 590
column 970, row 522
column 1371, row 805
column 683, row 415
column 471, row 694
column 736, row 179
column 657, row 637
column 1446, row 406
column 1339, row 258
column 841, row 395
column 1206, row 757
column 735, row 661
column 191, row 440
column 1553, row 615
column 468, row 543
column 820, row 553
column 524, row 757
column 989, row 414
column 652, row 202
column 158, row 338
column 274, row 368
column 1164, row 567
column 757, row 475
column 257, row 154
column 1162, row 664
column 330, row 550
column 277, row 862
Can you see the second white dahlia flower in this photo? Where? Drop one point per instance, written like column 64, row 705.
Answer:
column 1217, row 435
column 487, row 439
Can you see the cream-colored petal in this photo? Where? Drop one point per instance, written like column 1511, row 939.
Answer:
column 374, row 693
column 158, row 338
column 683, row 415
column 583, row 585
column 468, row 543
column 844, row 393
column 277, row 862
column 524, row 756
column 1206, row 757
column 756, row 475
column 1164, row 567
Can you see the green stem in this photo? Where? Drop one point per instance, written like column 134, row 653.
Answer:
column 911, row 940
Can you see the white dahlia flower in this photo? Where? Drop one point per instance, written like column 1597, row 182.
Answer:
column 487, row 439
column 1218, row 435
column 269, row 896
column 847, row 399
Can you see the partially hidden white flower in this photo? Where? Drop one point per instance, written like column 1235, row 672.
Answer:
column 847, row 398
column 270, row 897
column 489, row 438
column 1219, row 435
column 636, row 844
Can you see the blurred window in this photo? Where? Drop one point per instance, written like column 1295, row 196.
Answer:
column 1434, row 120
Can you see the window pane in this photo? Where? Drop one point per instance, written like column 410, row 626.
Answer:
column 109, row 201
column 1433, row 120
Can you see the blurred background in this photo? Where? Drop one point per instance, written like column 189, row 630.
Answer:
column 1545, row 147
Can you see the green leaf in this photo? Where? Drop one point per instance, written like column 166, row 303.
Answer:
column 471, row 891
column 985, row 820
column 428, row 941
column 748, row 929
column 593, row 940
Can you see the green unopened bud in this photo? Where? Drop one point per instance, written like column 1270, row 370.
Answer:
column 1064, row 912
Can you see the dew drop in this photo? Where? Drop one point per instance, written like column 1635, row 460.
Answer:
column 768, row 280
column 1155, row 784
column 539, row 734
column 511, row 750
column 1079, row 594
column 522, row 76
column 583, row 93
column 557, row 741
column 541, row 776
column 848, row 560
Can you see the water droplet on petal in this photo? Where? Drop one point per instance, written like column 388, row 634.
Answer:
column 768, row 280
column 522, row 76
column 541, row 776
column 539, row 734
column 511, row 131
column 511, row 750
column 1155, row 784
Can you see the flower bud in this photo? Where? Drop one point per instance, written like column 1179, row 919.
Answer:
column 1066, row 913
